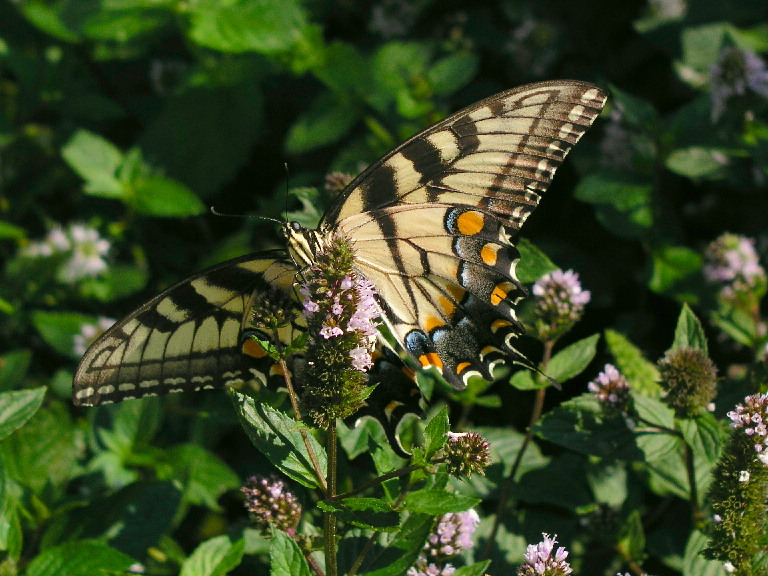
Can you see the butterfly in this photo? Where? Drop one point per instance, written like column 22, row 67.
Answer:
column 431, row 224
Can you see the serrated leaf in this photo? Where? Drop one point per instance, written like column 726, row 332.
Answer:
column 370, row 513
column 17, row 408
column 641, row 374
column 704, row 435
column 689, row 332
column 286, row 558
column 573, row 360
column 401, row 553
column 435, row 433
column 277, row 437
column 694, row 563
column 581, row 425
column 476, row 569
column 214, row 557
column 84, row 558
column 437, row 502
column 266, row 26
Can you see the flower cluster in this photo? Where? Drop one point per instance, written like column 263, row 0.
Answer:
column 452, row 535
column 271, row 504
column 611, row 388
column 736, row 72
column 732, row 262
column 540, row 560
column 690, row 380
column 80, row 247
column 337, row 181
column 465, row 453
column 751, row 417
column 341, row 312
column 89, row 333
column 560, row 303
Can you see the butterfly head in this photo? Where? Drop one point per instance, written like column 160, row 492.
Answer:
column 303, row 244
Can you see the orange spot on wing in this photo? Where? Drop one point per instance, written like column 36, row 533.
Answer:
column 490, row 254
column 499, row 324
column 456, row 291
column 447, row 306
column 432, row 322
column 470, row 223
column 500, row 292
column 253, row 349
column 431, row 359
column 463, row 366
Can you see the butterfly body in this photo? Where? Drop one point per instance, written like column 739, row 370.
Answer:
column 431, row 224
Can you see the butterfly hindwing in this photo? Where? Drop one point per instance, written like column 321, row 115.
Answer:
column 431, row 222
column 186, row 338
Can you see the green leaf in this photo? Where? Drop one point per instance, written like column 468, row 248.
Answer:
column 636, row 112
column 370, row 513
column 14, row 366
column 631, row 542
column 205, row 133
column 453, row 72
column 689, row 332
column 202, row 474
column 286, row 558
column 11, row 511
column 16, row 409
column 394, row 67
column 476, row 569
column 401, row 553
column 263, row 26
column 84, row 558
column 59, row 329
column 533, row 262
column 214, row 557
column 581, row 425
column 608, row 480
column 694, row 562
column 344, row 69
column 96, row 160
column 326, row 121
column 116, row 282
column 701, row 44
column 10, row 231
column 704, row 435
column 277, row 437
column 437, row 502
column 676, row 272
column 435, row 433
column 163, row 197
column 131, row 425
column 573, row 360
column 561, row 482
column 623, row 203
column 50, row 436
column 641, row 374
column 699, row 163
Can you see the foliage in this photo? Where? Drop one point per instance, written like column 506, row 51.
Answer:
column 121, row 121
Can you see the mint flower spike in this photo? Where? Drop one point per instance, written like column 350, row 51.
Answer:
column 271, row 504
column 611, row 389
column 451, row 536
column 736, row 72
column 543, row 560
column 559, row 304
column 342, row 314
column 731, row 262
column 751, row 418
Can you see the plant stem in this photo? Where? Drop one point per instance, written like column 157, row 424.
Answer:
column 329, row 518
column 506, row 488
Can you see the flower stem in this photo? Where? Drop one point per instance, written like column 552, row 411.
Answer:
column 329, row 518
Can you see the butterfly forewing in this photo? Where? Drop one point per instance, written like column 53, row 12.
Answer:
column 431, row 222
column 187, row 338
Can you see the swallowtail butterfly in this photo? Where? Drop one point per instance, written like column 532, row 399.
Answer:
column 431, row 225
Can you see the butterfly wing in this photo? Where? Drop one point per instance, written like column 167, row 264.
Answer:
column 187, row 338
column 431, row 222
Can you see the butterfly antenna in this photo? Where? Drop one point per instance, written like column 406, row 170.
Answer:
column 224, row 214
column 287, row 188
